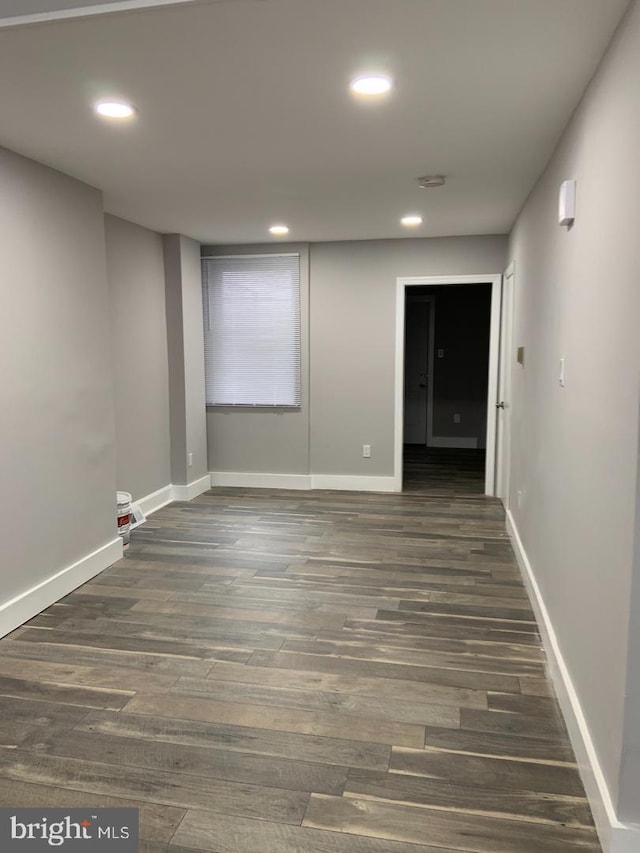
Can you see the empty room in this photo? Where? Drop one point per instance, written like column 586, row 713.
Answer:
column 320, row 429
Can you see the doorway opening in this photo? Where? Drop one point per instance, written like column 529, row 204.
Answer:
column 447, row 347
column 446, row 376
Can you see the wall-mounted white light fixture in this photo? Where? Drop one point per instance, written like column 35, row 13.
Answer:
column 567, row 203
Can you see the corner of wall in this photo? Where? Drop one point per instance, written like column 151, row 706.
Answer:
column 615, row 836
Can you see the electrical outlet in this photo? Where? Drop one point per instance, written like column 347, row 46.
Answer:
column 366, row 451
column 440, row 353
column 189, row 459
column 457, row 418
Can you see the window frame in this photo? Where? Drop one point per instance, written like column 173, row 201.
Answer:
column 253, row 255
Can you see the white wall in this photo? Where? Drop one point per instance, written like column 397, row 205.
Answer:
column 574, row 449
column 353, row 291
column 348, row 357
column 135, row 270
column 57, row 446
column 185, row 344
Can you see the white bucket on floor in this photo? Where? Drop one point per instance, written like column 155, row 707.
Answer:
column 123, row 500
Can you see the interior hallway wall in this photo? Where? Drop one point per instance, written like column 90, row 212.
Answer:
column 575, row 448
column 135, row 271
column 57, row 437
column 185, row 346
column 353, row 292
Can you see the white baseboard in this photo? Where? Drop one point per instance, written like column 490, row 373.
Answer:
column 33, row 601
column 192, row 490
column 156, row 500
column 353, row 483
column 260, row 481
column 304, row 482
column 470, row 442
column 615, row 836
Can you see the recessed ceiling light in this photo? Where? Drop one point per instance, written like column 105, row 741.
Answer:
column 279, row 230
column 114, row 109
column 411, row 221
column 372, row 85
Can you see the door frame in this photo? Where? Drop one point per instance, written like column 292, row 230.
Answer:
column 503, row 425
column 402, row 282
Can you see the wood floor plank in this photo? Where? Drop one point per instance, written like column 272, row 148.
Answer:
column 181, row 636
column 237, row 615
column 18, row 711
column 94, row 676
column 455, row 830
column 480, row 771
column 344, row 666
column 439, row 629
column 488, row 743
column 536, row 687
column 296, row 606
column 474, row 609
column 348, row 704
column 279, row 719
column 495, row 802
column 114, row 641
column 204, row 832
column 207, row 833
column 308, row 748
column 172, row 789
column 65, row 694
column 542, row 706
column 91, row 656
column 475, row 657
column 501, row 722
column 106, row 590
column 396, row 689
column 179, row 759
column 485, row 648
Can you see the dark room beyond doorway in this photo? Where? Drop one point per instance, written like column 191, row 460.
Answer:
column 447, row 330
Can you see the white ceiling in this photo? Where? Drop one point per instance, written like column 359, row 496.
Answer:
column 245, row 116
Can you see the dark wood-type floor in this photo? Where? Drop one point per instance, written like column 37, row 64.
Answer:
column 301, row 672
column 442, row 472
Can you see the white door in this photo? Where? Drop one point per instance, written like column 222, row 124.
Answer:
column 416, row 376
column 507, row 360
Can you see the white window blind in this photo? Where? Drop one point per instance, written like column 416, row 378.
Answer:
column 252, row 330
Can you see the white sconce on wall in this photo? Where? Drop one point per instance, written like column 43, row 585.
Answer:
column 567, row 203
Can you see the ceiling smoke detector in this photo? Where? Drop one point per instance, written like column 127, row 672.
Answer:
column 429, row 181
